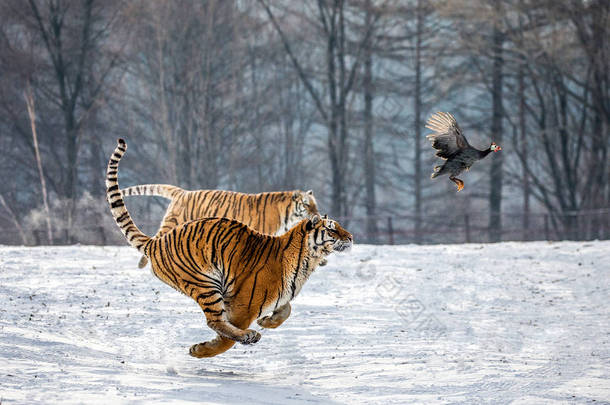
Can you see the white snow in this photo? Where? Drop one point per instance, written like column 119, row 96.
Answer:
column 494, row 323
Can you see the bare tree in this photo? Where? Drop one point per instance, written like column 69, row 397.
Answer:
column 570, row 172
column 339, row 84
column 43, row 185
column 417, row 120
column 496, row 175
column 71, row 37
column 369, row 153
column 328, row 95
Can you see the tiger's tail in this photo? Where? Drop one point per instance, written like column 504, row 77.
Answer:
column 134, row 236
column 158, row 190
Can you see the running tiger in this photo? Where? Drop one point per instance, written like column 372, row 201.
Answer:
column 270, row 213
column 235, row 274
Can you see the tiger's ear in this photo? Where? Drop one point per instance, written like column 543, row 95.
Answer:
column 312, row 222
column 296, row 195
column 309, row 192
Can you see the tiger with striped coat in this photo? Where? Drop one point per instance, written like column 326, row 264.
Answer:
column 272, row 213
column 234, row 273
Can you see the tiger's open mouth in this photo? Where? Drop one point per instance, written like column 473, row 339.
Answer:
column 343, row 246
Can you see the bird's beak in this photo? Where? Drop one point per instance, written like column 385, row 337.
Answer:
column 498, row 149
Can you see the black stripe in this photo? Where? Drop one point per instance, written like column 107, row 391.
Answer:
column 253, row 289
column 123, row 217
column 212, row 311
column 260, row 311
column 206, row 295
column 216, row 301
column 263, row 215
column 296, row 271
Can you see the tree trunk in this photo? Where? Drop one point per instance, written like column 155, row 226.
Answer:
column 526, row 182
column 29, row 98
column 417, row 124
column 339, row 86
column 495, row 190
column 369, row 154
column 257, row 133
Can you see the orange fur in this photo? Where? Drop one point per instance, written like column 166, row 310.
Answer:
column 235, row 274
column 272, row 213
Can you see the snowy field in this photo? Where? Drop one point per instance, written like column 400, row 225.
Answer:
column 496, row 323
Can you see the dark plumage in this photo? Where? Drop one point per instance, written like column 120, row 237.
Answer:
column 452, row 146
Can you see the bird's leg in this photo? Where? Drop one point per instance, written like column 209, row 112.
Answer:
column 460, row 183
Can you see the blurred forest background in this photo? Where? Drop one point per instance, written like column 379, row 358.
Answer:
column 328, row 95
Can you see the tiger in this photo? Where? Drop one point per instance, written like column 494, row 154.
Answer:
column 235, row 274
column 273, row 213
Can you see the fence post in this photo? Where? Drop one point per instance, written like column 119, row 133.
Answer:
column 467, row 227
column 102, row 235
column 390, row 231
column 546, row 227
column 36, row 234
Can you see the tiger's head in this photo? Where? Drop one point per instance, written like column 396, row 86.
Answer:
column 327, row 236
column 303, row 206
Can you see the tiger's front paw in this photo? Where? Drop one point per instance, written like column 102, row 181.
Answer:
column 323, row 262
column 250, row 337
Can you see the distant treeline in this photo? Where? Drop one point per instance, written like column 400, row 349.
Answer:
column 329, row 95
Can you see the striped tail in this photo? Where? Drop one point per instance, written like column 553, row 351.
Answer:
column 159, row 190
column 135, row 237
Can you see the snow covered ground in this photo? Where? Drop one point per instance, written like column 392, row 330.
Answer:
column 494, row 323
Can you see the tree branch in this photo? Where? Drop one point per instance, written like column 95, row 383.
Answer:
column 296, row 63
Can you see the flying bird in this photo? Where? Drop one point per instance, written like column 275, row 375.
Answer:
column 452, row 146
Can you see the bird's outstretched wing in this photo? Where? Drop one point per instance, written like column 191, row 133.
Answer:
column 448, row 138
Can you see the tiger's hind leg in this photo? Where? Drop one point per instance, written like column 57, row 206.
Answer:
column 212, row 347
column 212, row 304
column 276, row 318
column 169, row 223
column 144, row 260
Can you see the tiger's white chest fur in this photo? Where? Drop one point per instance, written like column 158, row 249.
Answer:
column 292, row 284
column 301, row 277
